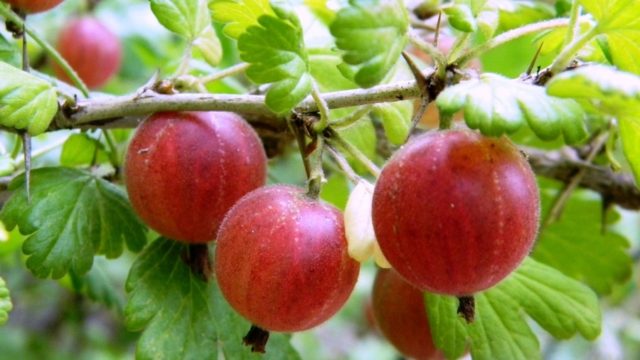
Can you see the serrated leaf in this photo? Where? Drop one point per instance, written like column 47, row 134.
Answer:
column 8, row 51
column 598, row 258
column 461, row 18
column 275, row 49
column 619, row 20
column 614, row 92
column 321, row 10
column 630, row 136
column 372, row 36
column 559, row 304
column 5, row 302
column 184, row 317
column 183, row 17
column 496, row 105
column 81, row 150
column 238, row 15
column 209, row 46
column 98, row 285
column 26, row 102
column 449, row 333
column 396, row 120
column 514, row 14
column 71, row 217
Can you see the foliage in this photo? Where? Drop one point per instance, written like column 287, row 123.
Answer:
column 74, row 223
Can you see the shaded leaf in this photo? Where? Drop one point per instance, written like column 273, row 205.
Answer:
column 396, row 120
column 461, row 18
column 598, row 258
column 181, row 315
column 5, row 302
column 371, row 34
column 630, row 136
column 72, row 216
column 81, row 150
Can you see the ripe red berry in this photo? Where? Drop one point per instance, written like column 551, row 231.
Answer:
column 91, row 49
column 455, row 212
column 184, row 171
column 281, row 259
column 400, row 314
column 33, row 6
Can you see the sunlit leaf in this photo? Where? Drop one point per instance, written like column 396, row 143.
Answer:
column 26, row 102
column 5, row 302
column 496, row 105
column 275, row 49
column 371, row 34
column 560, row 305
column 238, row 15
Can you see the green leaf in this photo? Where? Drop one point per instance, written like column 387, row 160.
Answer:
column 496, row 105
column 238, row 15
column 614, row 92
column 396, row 120
column 275, row 49
column 184, row 317
column 449, row 333
column 461, row 18
column 362, row 135
column 99, row 286
column 209, row 46
column 630, row 136
column 26, row 102
column 183, row 17
column 514, row 14
column 9, row 51
column 320, row 9
column 81, row 150
column 5, row 302
column 560, row 305
column 619, row 20
column 598, row 258
column 371, row 34
column 72, row 216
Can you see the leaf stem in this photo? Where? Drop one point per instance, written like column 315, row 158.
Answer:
column 333, row 137
column 569, row 52
column 343, row 164
column 185, row 63
column 323, row 108
column 509, row 36
column 352, row 118
column 574, row 27
column 230, row 71
column 438, row 57
column 48, row 49
column 113, row 153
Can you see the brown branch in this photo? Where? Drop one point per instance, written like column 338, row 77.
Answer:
column 562, row 165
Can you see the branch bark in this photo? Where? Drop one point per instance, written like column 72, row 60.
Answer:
column 128, row 111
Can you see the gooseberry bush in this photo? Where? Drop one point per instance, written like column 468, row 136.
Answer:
column 241, row 170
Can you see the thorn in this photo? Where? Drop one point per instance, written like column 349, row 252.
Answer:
column 26, row 146
column 535, row 58
column 437, row 35
column 421, row 80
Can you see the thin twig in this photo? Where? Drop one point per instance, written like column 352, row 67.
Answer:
column 562, row 198
column 333, row 137
column 343, row 164
column 230, row 71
